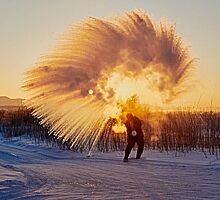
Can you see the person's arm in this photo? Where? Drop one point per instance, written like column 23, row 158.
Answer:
column 128, row 127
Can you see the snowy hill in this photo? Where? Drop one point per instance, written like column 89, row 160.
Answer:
column 10, row 104
column 6, row 101
column 29, row 171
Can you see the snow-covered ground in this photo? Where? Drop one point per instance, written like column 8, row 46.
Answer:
column 29, row 171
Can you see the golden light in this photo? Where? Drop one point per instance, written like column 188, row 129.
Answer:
column 118, row 86
column 112, row 111
column 119, row 128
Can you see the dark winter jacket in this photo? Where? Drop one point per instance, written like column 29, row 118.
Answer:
column 136, row 127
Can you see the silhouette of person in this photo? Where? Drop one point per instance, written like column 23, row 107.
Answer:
column 134, row 135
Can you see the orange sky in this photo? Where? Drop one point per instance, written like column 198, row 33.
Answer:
column 28, row 29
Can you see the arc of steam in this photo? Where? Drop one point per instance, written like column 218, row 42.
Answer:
column 71, row 87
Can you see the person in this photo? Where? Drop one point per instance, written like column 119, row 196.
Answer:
column 134, row 135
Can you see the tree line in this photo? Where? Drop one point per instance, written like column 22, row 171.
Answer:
column 175, row 131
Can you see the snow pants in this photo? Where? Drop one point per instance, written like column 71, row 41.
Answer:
column 131, row 143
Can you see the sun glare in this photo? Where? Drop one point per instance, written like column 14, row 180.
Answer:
column 123, row 87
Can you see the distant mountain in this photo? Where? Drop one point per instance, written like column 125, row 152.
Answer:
column 7, row 102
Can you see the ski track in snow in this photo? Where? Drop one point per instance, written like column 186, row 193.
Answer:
column 29, row 171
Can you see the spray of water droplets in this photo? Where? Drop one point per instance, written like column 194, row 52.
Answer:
column 97, row 66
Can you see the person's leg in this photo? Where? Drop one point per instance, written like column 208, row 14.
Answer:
column 129, row 147
column 140, row 144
